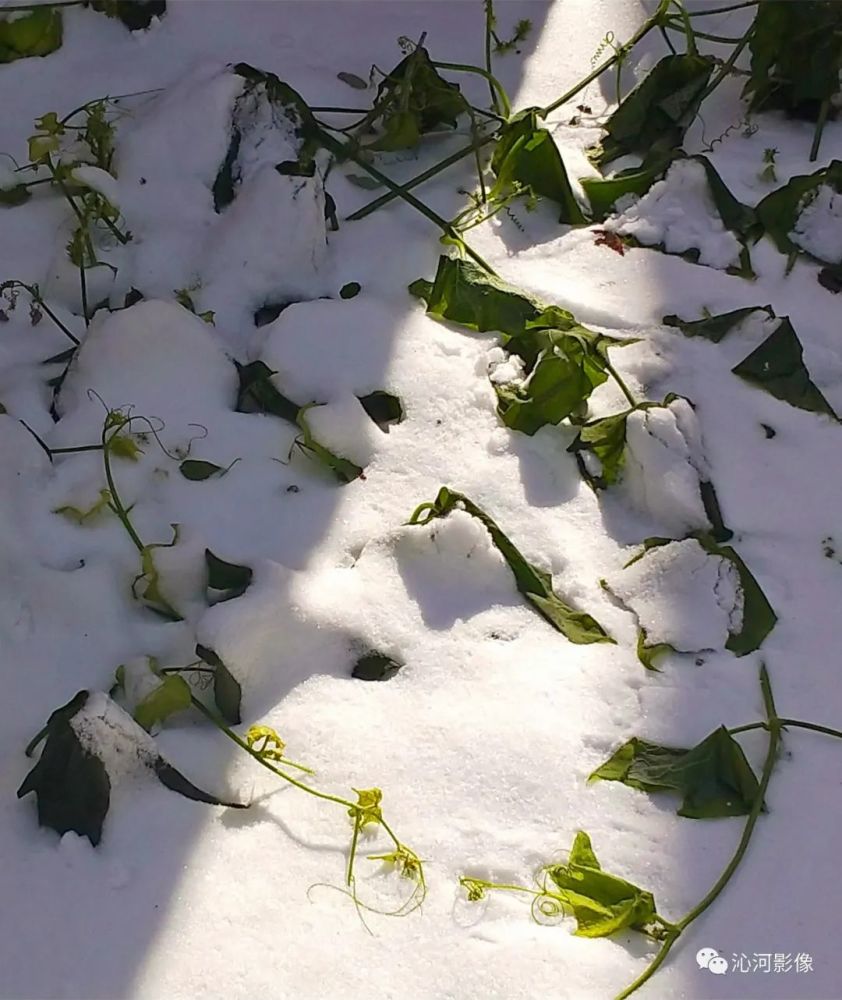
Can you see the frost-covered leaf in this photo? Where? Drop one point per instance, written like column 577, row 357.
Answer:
column 714, row 328
column 658, row 111
column 227, row 693
column 383, row 408
column 70, row 783
column 170, row 696
column 230, row 578
column 601, row 903
column 526, row 158
column 136, row 15
column 375, row 667
column 80, row 516
column 796, row 52
column 35, row 34
column 533, row 583
column 777, row 366
column 778, row 213
column 714, row 777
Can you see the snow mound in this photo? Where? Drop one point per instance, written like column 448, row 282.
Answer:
column 112, row 735
column 818, row 228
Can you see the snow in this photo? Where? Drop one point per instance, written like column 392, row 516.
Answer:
column 483, row 741
column 818, row 228
column 679, row 212
column 109, row 733
column 682, row 596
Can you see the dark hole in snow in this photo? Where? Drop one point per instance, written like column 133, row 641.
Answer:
column 223, row 186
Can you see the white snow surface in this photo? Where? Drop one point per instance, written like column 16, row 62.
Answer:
column 483, row 741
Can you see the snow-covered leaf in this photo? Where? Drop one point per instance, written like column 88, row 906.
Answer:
column 779, row 214
column 170, row 696
column 17, row 195
column 227, row 693
column 777, row 366
column 714, row 777
column 375, row 667
column 383, row 407
column 231, row 579
column 603, row 192
column 136, row 15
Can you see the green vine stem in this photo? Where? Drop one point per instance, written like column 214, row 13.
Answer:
column 117, row 421
column 612, row 371
column 489, row 27
column 728, row 65
column 723, row 10
column 503, row 107
column 820, row 123
column 787, row 724
column 774, row 725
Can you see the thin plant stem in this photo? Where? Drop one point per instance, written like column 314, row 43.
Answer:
column 116, row 503
column 790, row 724
column 31, row 6
column 81, row 447
column 773, row 724
column 489, row 25
column 384, row 199
column 820, row 123
column 504, row 107
column 36, row 297
column 612, row 371
column 220, row 725
column 352, row 853
column 723, row 10
column 728, row 65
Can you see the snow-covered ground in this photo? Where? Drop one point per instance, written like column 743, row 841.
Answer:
column 483, row 742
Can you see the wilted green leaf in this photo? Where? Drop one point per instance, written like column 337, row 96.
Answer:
column 777, row 366
column 383, row 408
column 228, row 577
column 375, row 667
column 176, row 782
column 601, row 903
column 714, row 778
column 714, row 328
column 412, row 100
column 35, row 34
column 172, row 695
column 350, row 291
column 146, row 586
column 533, row 583
column 656, row 114
column 526, row 157
column 70, row 784
column 80, row 516
column 796, row 52
column 227, row 693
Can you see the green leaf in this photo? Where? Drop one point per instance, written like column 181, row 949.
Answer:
column 533, row 583
column 714, row 328
column 227, row 693
column 714, row 778
column 601, row 903
column 228, row 577
column 16, row 195
column 777, row 366
column 350, row 291
column 344, row 469
column 412, row 100
column 648, row 653
column 658, row 111
column 172, row 695
column 70, row 783
column 526, row 157
column 352, row 80
column 465, row 293
column 383, row 408
column 146, row 586
column 375, row 667
column 795, row 56
column 606, row 439
column 602, row 193
column 198, row 470
column 35, row 34
column 176, row 782
column 80, row 516
column 136, row 15
column 777, row 214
